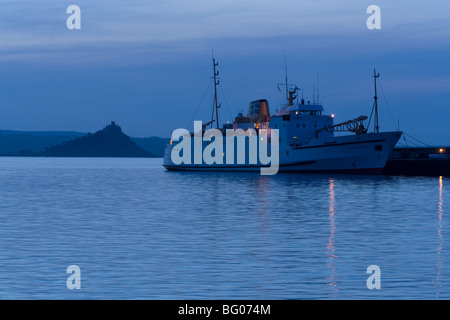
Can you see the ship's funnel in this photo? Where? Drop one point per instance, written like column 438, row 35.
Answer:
column 258, row 111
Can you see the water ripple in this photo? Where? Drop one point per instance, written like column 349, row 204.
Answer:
column 140, row 232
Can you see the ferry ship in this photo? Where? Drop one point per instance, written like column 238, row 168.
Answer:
column 306, row 136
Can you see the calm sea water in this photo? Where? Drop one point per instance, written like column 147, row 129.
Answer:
column 139, row 232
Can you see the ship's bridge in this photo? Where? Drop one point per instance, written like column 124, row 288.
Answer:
column 300, row 122
column 303, row 109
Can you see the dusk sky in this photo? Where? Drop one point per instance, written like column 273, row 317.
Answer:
column 147, row 64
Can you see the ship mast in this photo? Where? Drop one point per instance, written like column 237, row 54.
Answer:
column 375, row 103
column 216, row 83
column 289, row 94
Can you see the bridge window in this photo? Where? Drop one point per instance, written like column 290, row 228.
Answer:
column 311, row 113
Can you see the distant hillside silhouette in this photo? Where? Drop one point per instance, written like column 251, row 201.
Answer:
column 14, row 143
column 109, row 142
